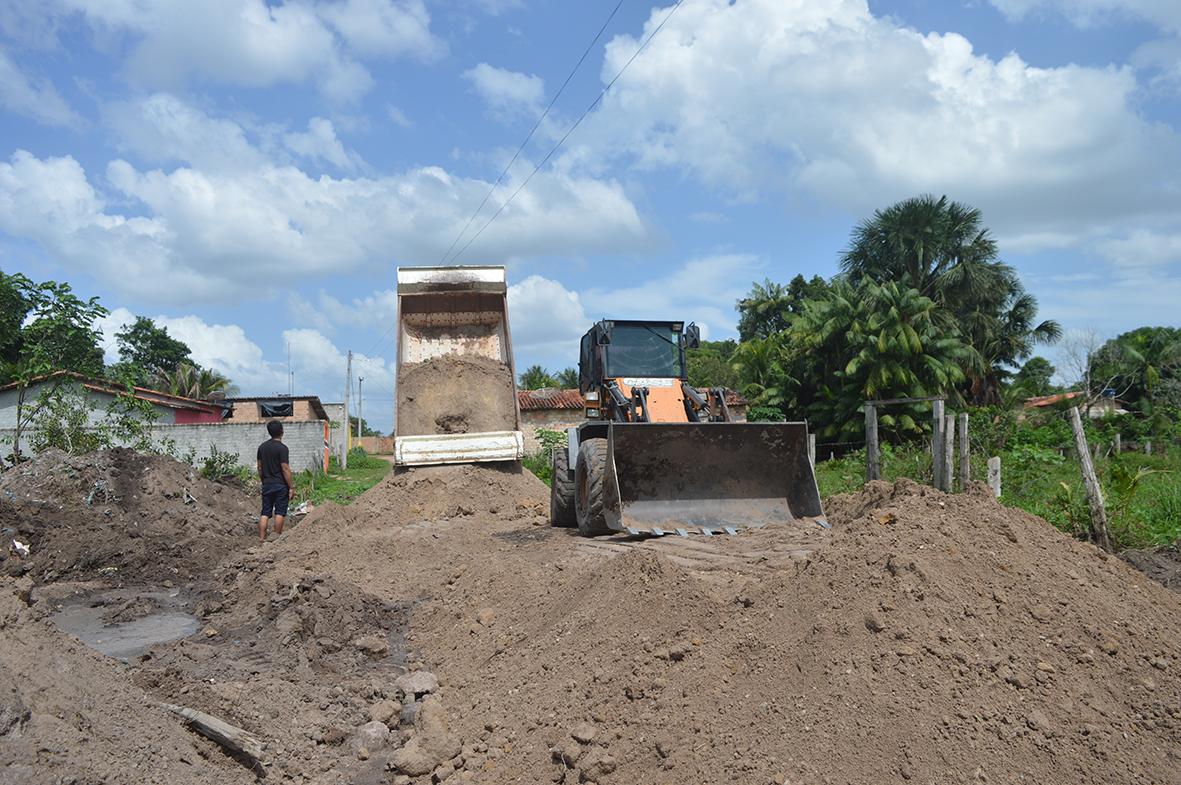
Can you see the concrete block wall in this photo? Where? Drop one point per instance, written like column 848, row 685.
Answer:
column 304, row 440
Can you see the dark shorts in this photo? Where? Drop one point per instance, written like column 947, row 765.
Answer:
column 274, row 501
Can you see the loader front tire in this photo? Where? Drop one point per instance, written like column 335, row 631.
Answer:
column 589, row 478
column 561, row 491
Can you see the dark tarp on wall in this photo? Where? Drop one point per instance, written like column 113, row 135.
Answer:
column 276, row 408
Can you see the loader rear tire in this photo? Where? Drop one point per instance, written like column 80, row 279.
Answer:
column 589, row 478
column 561, row 492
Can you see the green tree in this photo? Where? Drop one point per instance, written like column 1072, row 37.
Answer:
column 14, row 307
column 769, row 307
column 1034, row 378
column 942, row 250
column 57, row 332
column 148, row 347
column 192, row 381
column 1139, row 364
column 877, row 341
column 712, row 365
column 762, row 365
column 567, row 379
column 535, row 378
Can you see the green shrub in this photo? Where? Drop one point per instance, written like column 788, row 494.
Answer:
column 220, row 466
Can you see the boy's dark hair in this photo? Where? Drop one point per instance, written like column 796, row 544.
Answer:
column 275, row 428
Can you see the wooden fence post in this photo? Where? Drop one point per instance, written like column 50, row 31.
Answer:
column 873, row 467
column 1148, row 448
column 949, row 453
column 965, row 454
column 994, row 475
column 1117, row 446
column 936, row 443
column 812, row 450
column 1094, row 492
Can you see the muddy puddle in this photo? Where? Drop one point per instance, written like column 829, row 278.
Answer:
column 124, row 623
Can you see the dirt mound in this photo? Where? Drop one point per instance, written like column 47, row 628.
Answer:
column 70, row 715
column 488, row 491
column 120, row 514
column 456, row 394
column 935, row 638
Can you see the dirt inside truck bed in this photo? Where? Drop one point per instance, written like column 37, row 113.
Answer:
column 438, row 631
column 456, row 394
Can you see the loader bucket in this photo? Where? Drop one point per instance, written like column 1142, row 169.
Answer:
column 709, row 478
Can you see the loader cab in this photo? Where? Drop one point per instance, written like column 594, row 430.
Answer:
column 618, row 349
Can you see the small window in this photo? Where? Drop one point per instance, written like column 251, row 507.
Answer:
column 276, row 408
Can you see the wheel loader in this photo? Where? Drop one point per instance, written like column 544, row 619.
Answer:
column 656, row 456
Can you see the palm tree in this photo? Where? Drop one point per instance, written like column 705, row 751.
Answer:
column 567, row 379
column 762, row 365
column 535, row 378
column 192, row 381
column 880, row 341
column 941, row 249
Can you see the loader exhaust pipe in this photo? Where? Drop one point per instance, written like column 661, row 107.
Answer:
column 664, row 478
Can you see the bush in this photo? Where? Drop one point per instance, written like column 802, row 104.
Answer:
column 220, row 466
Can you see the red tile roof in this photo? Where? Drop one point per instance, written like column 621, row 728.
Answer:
column 548, row 398
column 552, row 398
column 112, row 388
column 1050, row 400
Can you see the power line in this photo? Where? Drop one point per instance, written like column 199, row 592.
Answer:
column 566, row 136
column 532, row 131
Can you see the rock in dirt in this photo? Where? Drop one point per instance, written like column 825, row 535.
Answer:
column 375, row 646
column 584, row 733
column 372, row 736
column 417, row 683
column 385, row 712
column 431, row 744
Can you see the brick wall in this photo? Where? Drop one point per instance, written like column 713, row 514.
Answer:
column 247, row 411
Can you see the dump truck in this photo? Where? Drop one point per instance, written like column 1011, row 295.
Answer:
column 656, row 456
column 455, row 380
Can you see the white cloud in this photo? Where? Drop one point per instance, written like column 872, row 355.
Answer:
column 320, row 142
column 252, row 43
column 1144, row 249
column 822, row 98
column 320, row 365
column 234, row 221
column 224, row 347
column 546, row 320
column 31, row 96
column 398, row 117
column 506, row 92
column 162, row 128
column 1087, row 13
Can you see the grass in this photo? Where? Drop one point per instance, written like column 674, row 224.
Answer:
column 1142, row 492
column 342, row 486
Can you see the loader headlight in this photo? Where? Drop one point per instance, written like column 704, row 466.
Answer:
column 592, row 414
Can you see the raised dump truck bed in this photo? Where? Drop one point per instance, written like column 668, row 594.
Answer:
column 457, row 400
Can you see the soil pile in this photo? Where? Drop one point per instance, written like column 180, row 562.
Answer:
column 489, row 492
column 456, row 394
column 70, row 715
column 122, row 515
column 935, row 638
column 1163, row 565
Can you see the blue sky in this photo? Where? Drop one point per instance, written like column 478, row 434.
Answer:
column 250, row 173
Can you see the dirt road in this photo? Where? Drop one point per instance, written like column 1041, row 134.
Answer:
column 435, row 630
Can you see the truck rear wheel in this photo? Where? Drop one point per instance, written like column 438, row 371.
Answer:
column 561, row 491
column 589, row 477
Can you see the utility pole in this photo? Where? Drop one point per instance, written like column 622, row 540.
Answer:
column 348, row 385
column 360, row 404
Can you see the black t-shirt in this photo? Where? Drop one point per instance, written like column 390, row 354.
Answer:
column 271, row 454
